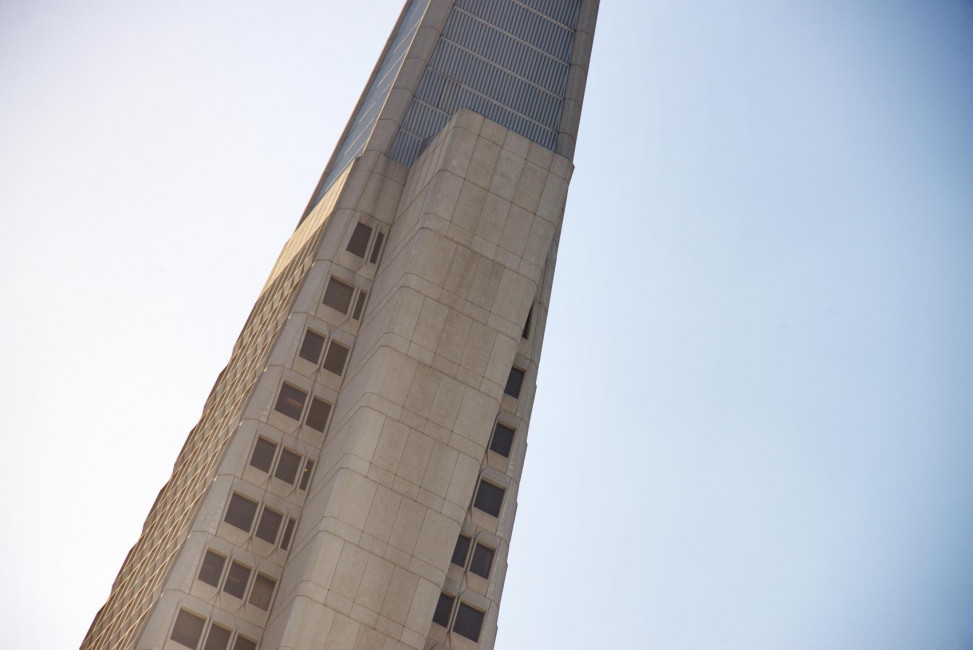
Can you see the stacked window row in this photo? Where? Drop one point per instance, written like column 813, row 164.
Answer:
column 242, row 511
column 286, row 464
column 234, row 578
column 189, row 628
column 339, row 295
column 466, row 619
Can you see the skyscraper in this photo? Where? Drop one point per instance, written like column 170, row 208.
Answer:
column 352, row 480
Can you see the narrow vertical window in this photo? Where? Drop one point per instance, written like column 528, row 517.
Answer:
column 236, row 579
column 359, row 305
column 311, row 347
column 460, row 551
column 188, row 629
column 306, row 474
column 515, row 380
column 290, row 402
column 502, row 441
column 317, row 415
column 358, row 244
column 338, row 295
column 287, row 466
column 334, row 360
column 526, row 333
column 285, row 541
column 212, row 568
column 443, row 609
column 263, row 454
column 269, row 525
column 377, row 248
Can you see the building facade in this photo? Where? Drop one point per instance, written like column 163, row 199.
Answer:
column 352, row 481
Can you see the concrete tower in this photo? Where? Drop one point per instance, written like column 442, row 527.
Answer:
column 352, row 482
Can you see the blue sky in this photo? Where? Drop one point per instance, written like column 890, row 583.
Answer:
column 754, row 425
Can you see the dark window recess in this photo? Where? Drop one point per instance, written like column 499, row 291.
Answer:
column 285, row 541
column 489, row 498
column 218, row 638
column 269, row 525
column 526, row 333
column 460, row 550
column 358, row 244
column 468, row 622
column 482, row 561
column 334, row 360
column 338, row 295
column 503, row 439
column 243, row 643
column 311, row 347
column 240, row 512
column 188, row 629
column 263, row 454
column 236, row 580
column 288, row 465
column 443, row 609
column 212, row 568
column 359, row 305
column 515, row 380
column 317, row 415
column 263, row 590
column 290, row 402
column 306, row 474
column 377, row 248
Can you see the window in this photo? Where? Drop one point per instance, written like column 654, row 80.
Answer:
column 502, row 441
column 212, row 568
column 262, row 592
column 188, row 629
column 243, row 643
column 306, row 474
column 489, row 498
column 482, row 561
column 443, row 609
column 218, row 638
column 377, row 248
column 290, row 402
column 358, row 244
column 359, row 305
column 241, row 512
column 460, row 550
column 263, row 454
column 526, row 333
column 334, row 360
column 311, row 347
column 514, row 382
column 317, row 415
column 270, row 521
column 338, row 295
column 236, row 580
column 468, row 622
column 288, row 465
column 285, row 541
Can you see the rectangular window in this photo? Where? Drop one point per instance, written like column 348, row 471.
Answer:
column 218, row 638
column 188, row 629
column 306, row 474
column 443, row 609
column 262, row 592
column 358, row 244
column 359, row 305
column 290, row 402
column 285, row 541
column 311, row 347
column 489, row 498
column 317, row 415
column 503, row 438
column 241, row 512
column 212, row 568
column 334, row 360
column 288, row 465
column 338, row 295
column 263, row 454
column 482, row 561
column 270, row 521
column 515, row 380
column 468, row 622
column 243, row 643
column 377, row 248
column 236, row 580
column 460, row 550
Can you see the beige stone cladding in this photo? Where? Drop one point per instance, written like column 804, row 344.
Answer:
column 406, row 448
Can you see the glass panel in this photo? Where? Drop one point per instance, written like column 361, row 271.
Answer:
column 503, row 438
column 290, row 402
column 188, row 629
column 240, row 512
column 263, row 454
column 243, row 643
column 317, row 415
column 334, row 360
column 285, row 541
column 489, row 498
column 212, row 568
column 359, row 305
column 460, row 550
column 263, row 590
column 514, row 382
column 269, row 525
column 468, row 622
column 482, row 561
column 377, row 248
column 312, row 346
column 358, row 244
column 218, row 638
column 526, row 332
column 338, row 295
column 443, row 609
column 236, row 580
column 288, row 465
column 306, row 474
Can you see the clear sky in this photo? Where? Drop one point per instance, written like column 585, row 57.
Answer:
column 754, row 421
